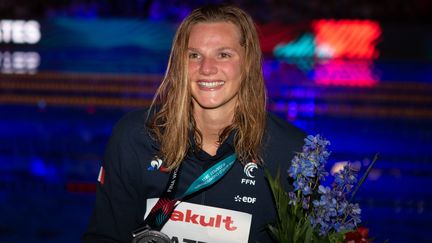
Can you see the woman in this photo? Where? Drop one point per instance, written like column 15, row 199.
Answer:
column 210, row 124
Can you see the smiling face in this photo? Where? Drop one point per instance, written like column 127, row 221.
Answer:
column 215, row 65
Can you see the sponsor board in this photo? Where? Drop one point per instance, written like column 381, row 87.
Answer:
column 206, row 224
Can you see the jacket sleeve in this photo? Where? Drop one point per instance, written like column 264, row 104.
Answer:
column 116, row 210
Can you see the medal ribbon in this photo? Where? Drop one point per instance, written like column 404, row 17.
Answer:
column 164, row 207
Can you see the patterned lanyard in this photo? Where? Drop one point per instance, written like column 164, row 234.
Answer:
column 164, row 207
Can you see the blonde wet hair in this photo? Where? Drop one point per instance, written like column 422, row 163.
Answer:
column 173, row 124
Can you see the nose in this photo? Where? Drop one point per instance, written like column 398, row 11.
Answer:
column 208, row 66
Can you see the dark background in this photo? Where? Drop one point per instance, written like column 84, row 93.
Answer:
column 97, row 60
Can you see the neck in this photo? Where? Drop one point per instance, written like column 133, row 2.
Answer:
column 211, row 123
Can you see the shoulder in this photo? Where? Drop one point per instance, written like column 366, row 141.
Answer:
column 133, row 118
column 132, row 125
column 129, row 143
column 133, row 121
column 282, row 140
column 283, row 130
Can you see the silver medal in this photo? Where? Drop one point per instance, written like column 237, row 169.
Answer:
column 151, row 236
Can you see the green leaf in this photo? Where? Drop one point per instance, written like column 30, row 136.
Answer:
column 309, row 233
column 336, row 237
column 282, row 230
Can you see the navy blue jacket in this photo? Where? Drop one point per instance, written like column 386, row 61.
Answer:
column 132, row 175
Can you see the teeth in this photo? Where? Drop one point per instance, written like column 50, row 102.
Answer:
column 211, row 84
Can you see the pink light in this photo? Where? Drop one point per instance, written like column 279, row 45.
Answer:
column 346, row 73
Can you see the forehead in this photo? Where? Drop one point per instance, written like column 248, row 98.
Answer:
column 214, row 31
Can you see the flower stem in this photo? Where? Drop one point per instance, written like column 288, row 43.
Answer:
column 364, row 176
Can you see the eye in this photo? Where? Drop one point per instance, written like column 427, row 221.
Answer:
column 224, row 55
column 193, row 55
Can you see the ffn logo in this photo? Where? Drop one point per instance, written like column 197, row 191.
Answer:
column 249, row 168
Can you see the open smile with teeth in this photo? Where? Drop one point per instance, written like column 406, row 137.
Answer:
column 210, row 84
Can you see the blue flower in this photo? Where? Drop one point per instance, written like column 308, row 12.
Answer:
column 302, row 184
column 346, row 178
column 306, row 202
column 325, row 208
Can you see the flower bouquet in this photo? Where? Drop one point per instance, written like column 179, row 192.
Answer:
column 310, row 211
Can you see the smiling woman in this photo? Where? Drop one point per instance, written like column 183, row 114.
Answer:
column 212, row 136
column 214, row 73
column 213, row 43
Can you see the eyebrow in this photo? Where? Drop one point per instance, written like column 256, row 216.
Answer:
column 219, row 49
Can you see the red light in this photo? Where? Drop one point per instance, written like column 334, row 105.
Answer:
column 346, row 38
column 273, row 34
column 81, row 187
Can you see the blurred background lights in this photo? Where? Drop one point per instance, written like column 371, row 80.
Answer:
column 347, row 38
column 70, row 69
column 355, row 39
column 303, row 47
column 337, row 166
column 19, row 31
column 19, row 62
column 345, row 73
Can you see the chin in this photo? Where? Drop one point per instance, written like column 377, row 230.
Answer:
column 208, row 106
